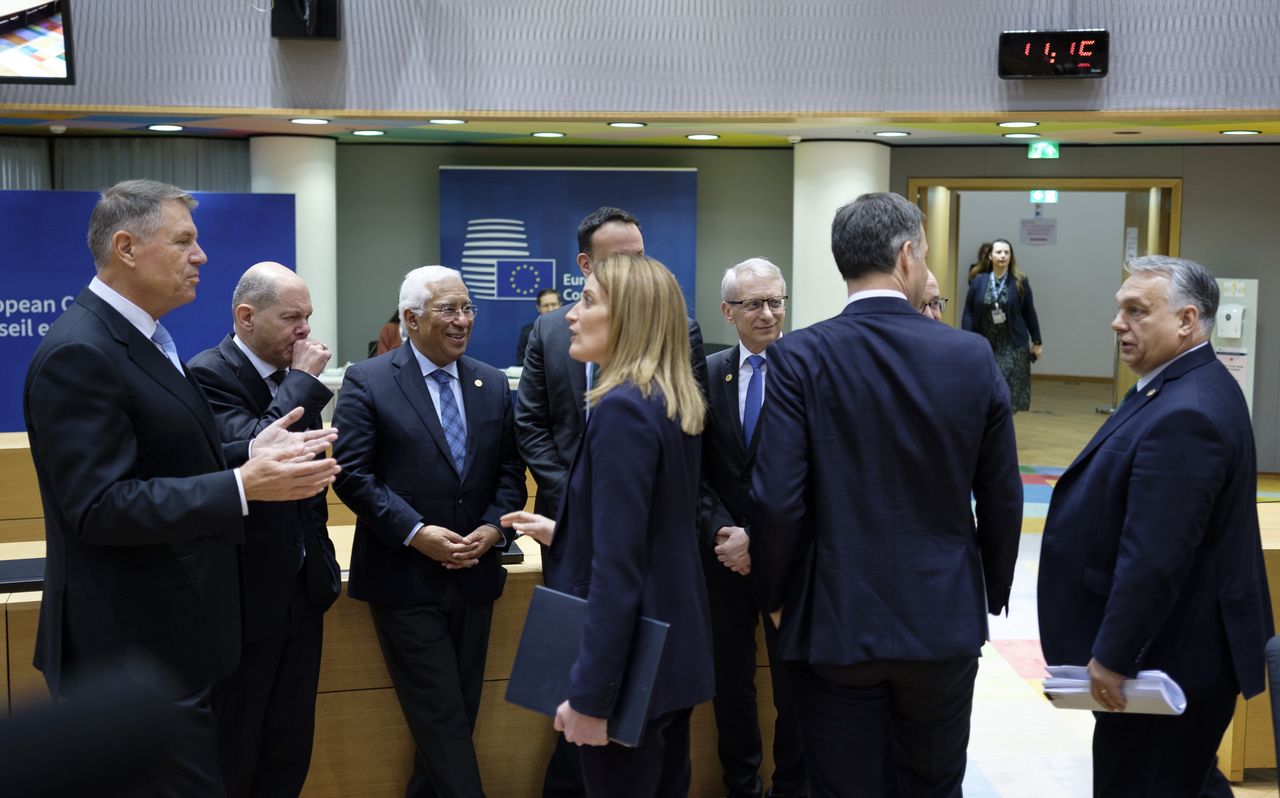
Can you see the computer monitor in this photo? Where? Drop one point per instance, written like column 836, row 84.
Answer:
column 35, row 42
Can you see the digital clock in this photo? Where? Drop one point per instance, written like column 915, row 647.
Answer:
column 1053, row 54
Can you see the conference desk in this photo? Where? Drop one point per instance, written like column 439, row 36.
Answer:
column 362, row 744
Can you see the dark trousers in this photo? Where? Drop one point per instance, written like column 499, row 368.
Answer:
column 192, row 769
column 844, row 710
column 734, row 613
column 1164, row 755
column 267, row 708
column 435, row 654
column 563, row 778
column 657, row 768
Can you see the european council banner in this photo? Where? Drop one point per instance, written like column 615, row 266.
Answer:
column 513, row 233
column 45, row 263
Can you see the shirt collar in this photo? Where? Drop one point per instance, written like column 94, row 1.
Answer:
column 744, row 353
column 1144, row 381
column 427, row 365
column 133, row 314
column 871, row 293
column 264, row 368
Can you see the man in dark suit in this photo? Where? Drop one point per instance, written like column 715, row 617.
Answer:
column 551, row 413
column 1151, row 557
column 880, row 425
column 548, row 300
column 289, row 576
column 142, row 515
column 754, row 301
column 429, row 467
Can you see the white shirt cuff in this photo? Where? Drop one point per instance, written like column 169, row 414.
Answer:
column 416, row 527
column 244, row 503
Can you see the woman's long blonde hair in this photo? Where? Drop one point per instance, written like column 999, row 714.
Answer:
column 648, row 342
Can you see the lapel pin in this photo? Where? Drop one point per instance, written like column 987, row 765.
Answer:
column 479, row 383
column 728, row 377
column 1151, row 393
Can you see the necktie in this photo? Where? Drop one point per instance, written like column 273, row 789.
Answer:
column 164, row 340
column 451, row 420
column 275, row 378
column 755, row 396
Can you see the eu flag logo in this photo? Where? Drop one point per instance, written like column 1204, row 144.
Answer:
column 523, row 278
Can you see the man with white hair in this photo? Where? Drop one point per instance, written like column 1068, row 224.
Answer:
column 754, row 300
column 430, row 466
column 1151, row 558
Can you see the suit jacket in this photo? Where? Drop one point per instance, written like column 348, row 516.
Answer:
column 625, row 541
column 725, row 498
column 523, row 343
column 141, row 515
column 1024, row 324
column 549, row 403
column 397, row 471
column 276, row 534
column 879, row 426
column 1151, row 557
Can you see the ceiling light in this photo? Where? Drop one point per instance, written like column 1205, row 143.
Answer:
column 1017, row 124
column 1022, row 135
column 547, row 135
column 702, row 137
column 165, row 128
column 626, row 124
column 308, row 120
column 1239, row 132
column 892, row 134
column 1126, row 132
column 446, row 121
column 368, row 132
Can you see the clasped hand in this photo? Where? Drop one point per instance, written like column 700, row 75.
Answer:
column 733, row 549
column 453, row 551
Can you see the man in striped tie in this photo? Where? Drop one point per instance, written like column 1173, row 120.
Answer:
column 431, row 466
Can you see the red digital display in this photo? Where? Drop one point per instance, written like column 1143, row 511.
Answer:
column 1053, row 54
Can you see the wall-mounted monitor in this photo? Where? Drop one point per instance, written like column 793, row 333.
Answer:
column 35, row 42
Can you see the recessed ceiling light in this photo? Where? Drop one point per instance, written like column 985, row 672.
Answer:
column 165, row 128
column 1239, row 132
column 1017, row 124
column 368, row 132
column 1126, row 132
column 447, row 121
column 626, row 124
column 892, row 134
column 547, row 135
column 702, row 137
column 1022, row 135
column 308, row 120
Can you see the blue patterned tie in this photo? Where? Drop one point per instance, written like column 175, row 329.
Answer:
column 451, row 420
column 164, row 340
column 755, row 396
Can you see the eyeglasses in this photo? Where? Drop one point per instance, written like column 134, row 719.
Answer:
column 775, row 303
column 938, row 305
column 451, row 312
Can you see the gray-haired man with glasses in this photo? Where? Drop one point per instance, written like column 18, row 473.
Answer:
column 754, row 300
column 933, row 303
column 431, row 467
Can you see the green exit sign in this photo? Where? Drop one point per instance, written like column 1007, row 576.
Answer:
column 1042, row 149
column 1043, row 196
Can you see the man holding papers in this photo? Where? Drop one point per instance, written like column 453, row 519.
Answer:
column 1151, row 558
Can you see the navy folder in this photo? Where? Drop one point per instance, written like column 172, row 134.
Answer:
column 549, row 646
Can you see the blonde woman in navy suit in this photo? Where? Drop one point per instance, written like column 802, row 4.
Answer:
column 625, row 539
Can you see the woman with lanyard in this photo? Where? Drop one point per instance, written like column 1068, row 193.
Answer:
column 1000, row 308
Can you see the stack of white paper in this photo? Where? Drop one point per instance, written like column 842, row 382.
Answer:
column 1152, row 693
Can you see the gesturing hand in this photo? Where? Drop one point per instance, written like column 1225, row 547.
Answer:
column 538, row 527
column 278, row 443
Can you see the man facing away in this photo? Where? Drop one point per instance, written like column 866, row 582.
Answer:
column 142, row 514
column 430, row 466
column 1151, row 557
column 753, row 300
column 880, row 426
column 289, row 576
